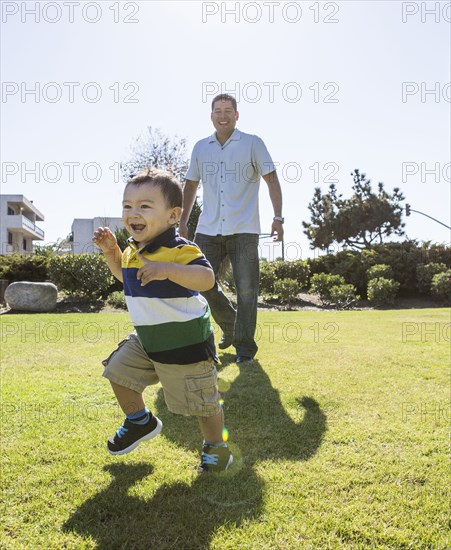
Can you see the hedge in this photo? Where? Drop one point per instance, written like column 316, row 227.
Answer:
column 84, row 275
column 441, row 286
column 403, row 259
column 425, row 273
column 18, row 267
column 279, row 270
column 382, row 291
column 287, row 290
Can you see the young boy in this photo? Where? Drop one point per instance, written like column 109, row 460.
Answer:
column 163, row 275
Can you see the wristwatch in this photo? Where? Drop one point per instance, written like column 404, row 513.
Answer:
column 279, row 219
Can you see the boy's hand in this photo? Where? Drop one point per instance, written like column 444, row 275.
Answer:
column 151, row 271
column 105, row 239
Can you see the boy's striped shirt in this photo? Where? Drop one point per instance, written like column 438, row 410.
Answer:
column 172, row 322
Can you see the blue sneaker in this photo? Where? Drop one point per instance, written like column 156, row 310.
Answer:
column 130, row 435
column 215, row 459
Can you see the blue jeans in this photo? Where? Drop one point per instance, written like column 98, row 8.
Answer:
column 242, row 250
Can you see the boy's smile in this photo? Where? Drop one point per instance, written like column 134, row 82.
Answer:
column 145, row 212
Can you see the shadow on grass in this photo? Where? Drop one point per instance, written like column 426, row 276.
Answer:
column 185, row 516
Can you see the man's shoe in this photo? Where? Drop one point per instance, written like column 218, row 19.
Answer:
column 225, row 342
column 130, row 435
column 244, row 359
column 215, row 459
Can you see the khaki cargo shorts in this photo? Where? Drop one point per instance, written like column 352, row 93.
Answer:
column 191, row 390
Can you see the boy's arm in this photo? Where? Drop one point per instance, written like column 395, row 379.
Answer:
column 107, row 242
column 194, row 277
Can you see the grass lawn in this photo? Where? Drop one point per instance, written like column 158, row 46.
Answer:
column 339, row 430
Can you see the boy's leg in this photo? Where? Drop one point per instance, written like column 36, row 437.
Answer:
column 212, row 427
column 129, row 371
column 215, row 456
column 129, row 400
column 192, row 390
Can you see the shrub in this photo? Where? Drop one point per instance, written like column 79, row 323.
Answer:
column 287, row 290
column 84, row 275
column 117, row 299
column 297, row 270
column 349, row 264
column 382, row 291
column 379, row 270
column 267, row 278
column 18, row 267
column 441, row 285
column 403, row 258
column 343, row 296
column 425, row 273
column 322, row 283
column 270, row 272
column 122, row 236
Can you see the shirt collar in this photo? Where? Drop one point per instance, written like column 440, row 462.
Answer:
column 235, row 136
column 159, row 240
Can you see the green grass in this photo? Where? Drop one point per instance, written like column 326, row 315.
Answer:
column 339, row 433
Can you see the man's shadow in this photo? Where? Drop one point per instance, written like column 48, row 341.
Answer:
column 186, row 516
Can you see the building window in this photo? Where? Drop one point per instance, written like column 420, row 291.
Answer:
column 11, row 211
column 10, row 238
column 24, row 243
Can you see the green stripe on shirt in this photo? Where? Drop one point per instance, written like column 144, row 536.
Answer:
column 175, row 335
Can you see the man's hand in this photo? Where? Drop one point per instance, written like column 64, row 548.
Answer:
column 183, row 230
column 277, row 229
column 105, row 239
column 151, row 271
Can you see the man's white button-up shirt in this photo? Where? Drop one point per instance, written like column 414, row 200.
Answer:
column 230, row 176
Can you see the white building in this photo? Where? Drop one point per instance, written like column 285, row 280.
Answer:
column 18, row 229
column 83, row 229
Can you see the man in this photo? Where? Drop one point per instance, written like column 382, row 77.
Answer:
column 230, row 164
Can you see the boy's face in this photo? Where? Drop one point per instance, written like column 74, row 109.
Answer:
column 224, row 117
column 145, row 212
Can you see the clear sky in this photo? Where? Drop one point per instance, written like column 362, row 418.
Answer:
column 329, row 87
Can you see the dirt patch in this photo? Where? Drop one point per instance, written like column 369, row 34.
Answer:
column 67, row 304
column 304, row 302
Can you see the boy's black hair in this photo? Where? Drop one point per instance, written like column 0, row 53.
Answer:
column 163, row 179
column 224, row 97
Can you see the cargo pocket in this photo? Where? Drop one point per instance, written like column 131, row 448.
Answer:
column 121, row 343
column 202, row 394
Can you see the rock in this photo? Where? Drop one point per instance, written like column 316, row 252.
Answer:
column 27, row 296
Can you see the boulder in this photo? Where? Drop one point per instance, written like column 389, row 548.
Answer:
column 27, row 296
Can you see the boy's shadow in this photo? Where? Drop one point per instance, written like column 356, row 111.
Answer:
column 186, row 516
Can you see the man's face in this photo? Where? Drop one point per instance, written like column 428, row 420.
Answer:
column 224, row 117
column 145, row 212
